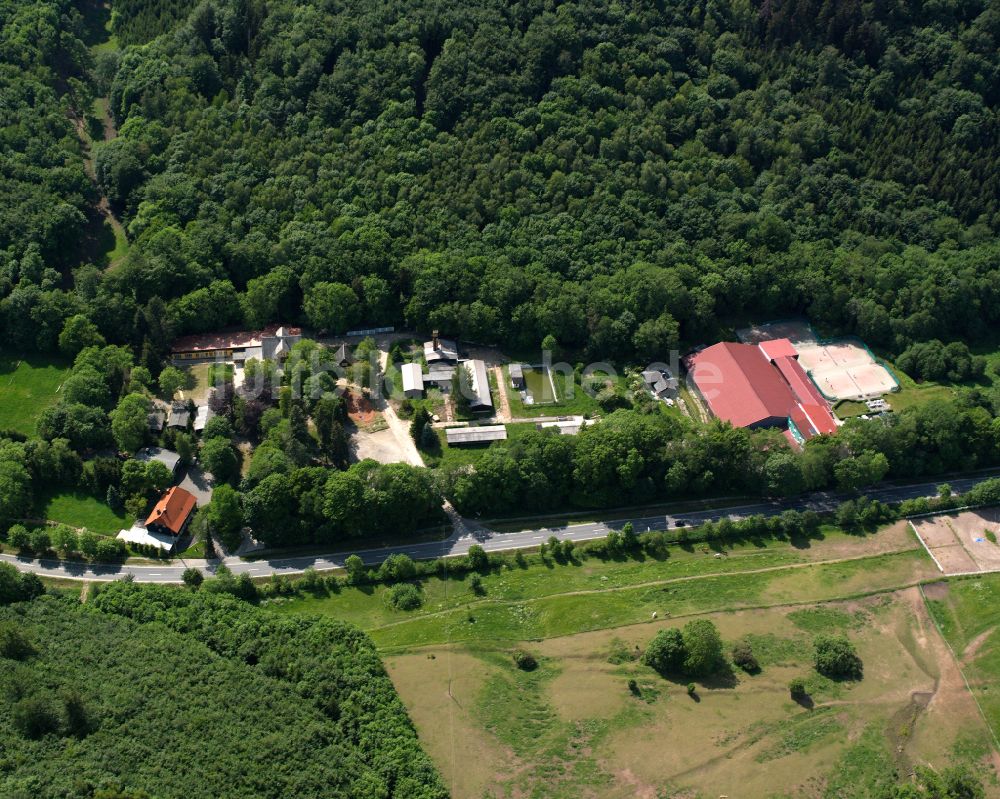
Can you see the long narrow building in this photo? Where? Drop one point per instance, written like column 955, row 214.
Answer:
column 759, row 386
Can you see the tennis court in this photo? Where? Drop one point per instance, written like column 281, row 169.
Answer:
column 845, row 370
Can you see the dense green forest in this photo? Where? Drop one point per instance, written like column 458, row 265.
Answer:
column 156, row 692
column 619, row 176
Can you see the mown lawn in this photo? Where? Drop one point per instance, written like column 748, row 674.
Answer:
column 28, row 385
column 570, row 400
column 79, row 509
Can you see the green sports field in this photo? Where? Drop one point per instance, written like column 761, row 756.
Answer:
column 28, row 385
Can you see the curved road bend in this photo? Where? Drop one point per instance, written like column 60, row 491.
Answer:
column 458, row 544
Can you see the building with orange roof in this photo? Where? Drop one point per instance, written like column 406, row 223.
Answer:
column 172, row 512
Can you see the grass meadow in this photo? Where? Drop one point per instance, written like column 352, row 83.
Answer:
column 28, row 385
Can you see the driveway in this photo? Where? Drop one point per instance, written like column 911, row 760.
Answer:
column 199, row 483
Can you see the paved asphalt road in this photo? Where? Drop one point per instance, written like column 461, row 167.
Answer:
column 458, row 544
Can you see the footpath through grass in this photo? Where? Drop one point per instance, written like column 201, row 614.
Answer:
column 545, row 599
column 967, row 611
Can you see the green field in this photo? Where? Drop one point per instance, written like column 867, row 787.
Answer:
column 573, row 728
column 28, row 386
column 548, row 598
column 968, row 614
column 78, row 509
column 567, row 402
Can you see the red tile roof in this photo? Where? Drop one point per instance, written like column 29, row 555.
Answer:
column 740, row 385
column 173, row 509
column 798, row 416
column 228, row 340
column 778, row 348
column 821, row 418
column 800, row 382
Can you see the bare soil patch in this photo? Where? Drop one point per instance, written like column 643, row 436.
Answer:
column 962, row 542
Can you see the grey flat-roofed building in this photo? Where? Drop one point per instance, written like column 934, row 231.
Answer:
column 413, row 380
column 179, row 415
column 475, row 435
column 566, row 427
column 440, row 376
column 167, row 457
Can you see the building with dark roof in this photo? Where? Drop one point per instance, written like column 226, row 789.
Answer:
column 180, row 415
column 342, row 356
column 516, row 372
column 165, row 456
column 660, row 382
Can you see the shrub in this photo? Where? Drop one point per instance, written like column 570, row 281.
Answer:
column 192, row 578
column 40, row 541
column 88, row 542
column 356, row 571
column 19, row 537
column 476, row 585
column 396, row 568
column 797, row 688
column 836, row 657
column 14, row 644
column 703, row 645
column 478, row 559
column 310, row 580
column 633, row 687
column 35, row 717
column 743, row 656
column 110, row 549
column 524, row 660
column 692, row 689
column 666, row 652
column 405, row 596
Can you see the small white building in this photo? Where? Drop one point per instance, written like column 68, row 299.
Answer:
column 202, row 417
column 413, row 380
column 568, row 426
